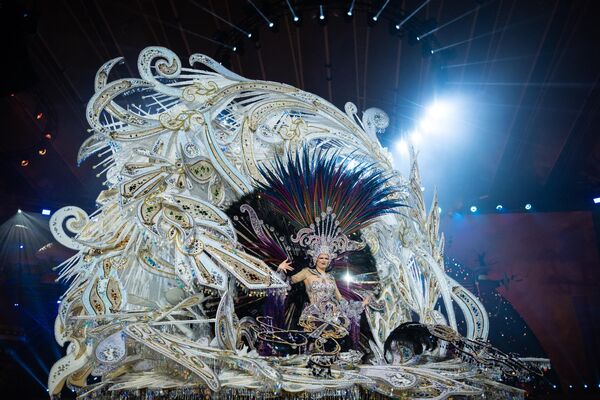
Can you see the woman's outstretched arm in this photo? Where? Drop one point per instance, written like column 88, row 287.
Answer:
column 300, row 276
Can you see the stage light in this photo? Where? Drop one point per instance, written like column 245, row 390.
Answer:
column 24, row 163
column 295, row 17
column 321, row 13
column 415, row 137
column 376, row 16
column 570, row 386
column 234, row 48
column 48, row 136
column 348, row 278
column 42, row 152
column 440, row 210
column 263, row 16
column 45, row 211
column 499, row 207
column 585, row 386
column 16, row 304
column 21, row 246
column 19, row 211
column 58, row 302
column 473, row 209
column 397, row 27
column 554, row 386
column 528, row 206
column 249, row 35
column 596, row 200
column 351, row 9
column 39, row 115
column 402, row 146
column 440, row 117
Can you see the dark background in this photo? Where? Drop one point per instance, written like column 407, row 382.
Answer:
column 521, row 78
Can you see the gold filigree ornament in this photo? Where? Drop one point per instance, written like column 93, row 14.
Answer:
column 198, row 90
column 182, row 121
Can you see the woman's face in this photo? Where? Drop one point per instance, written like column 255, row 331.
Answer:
column 323, row 261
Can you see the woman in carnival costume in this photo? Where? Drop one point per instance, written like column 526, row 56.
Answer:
column 310, row 205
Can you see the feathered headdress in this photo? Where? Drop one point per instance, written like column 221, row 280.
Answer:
column 327, row 198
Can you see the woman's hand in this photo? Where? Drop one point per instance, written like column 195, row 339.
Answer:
column 285, row 266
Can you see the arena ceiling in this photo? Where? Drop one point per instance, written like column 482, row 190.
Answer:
column 522, row 78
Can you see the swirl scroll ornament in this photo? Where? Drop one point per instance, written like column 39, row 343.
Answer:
column 74, row 220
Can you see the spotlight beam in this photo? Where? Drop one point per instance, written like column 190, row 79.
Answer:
column 562, row 85
column 376, row 16
column 294, row 16
column 399, row 25
column 504, row 28
column 197, row 35
column 175, row 26
column 267, row 20
column 23, row 365
column 449, row 22
column 493, row 60
column 351, row 9
column 220, row 18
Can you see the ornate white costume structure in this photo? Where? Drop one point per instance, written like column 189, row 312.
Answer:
column 179, row 145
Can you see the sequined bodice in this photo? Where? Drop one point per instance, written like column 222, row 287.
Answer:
column 320, row 290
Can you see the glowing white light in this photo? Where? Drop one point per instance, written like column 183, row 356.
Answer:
column 321, row 17
column 234, row 48
column 499, row 207
column 45, row 211
column 58, row 302
column 528, row 206
column 415, row 137
column 402, row 146
column 349, row 13
column 375, row 18
column 21, row 246
column 348, row 278
column 19, row 211
column 440, row 109
column 427, row 124
column 296, row 19
column 271, row 24
column 596, row 200
column 473, row 209
column 249, row 35
column 398, row 27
